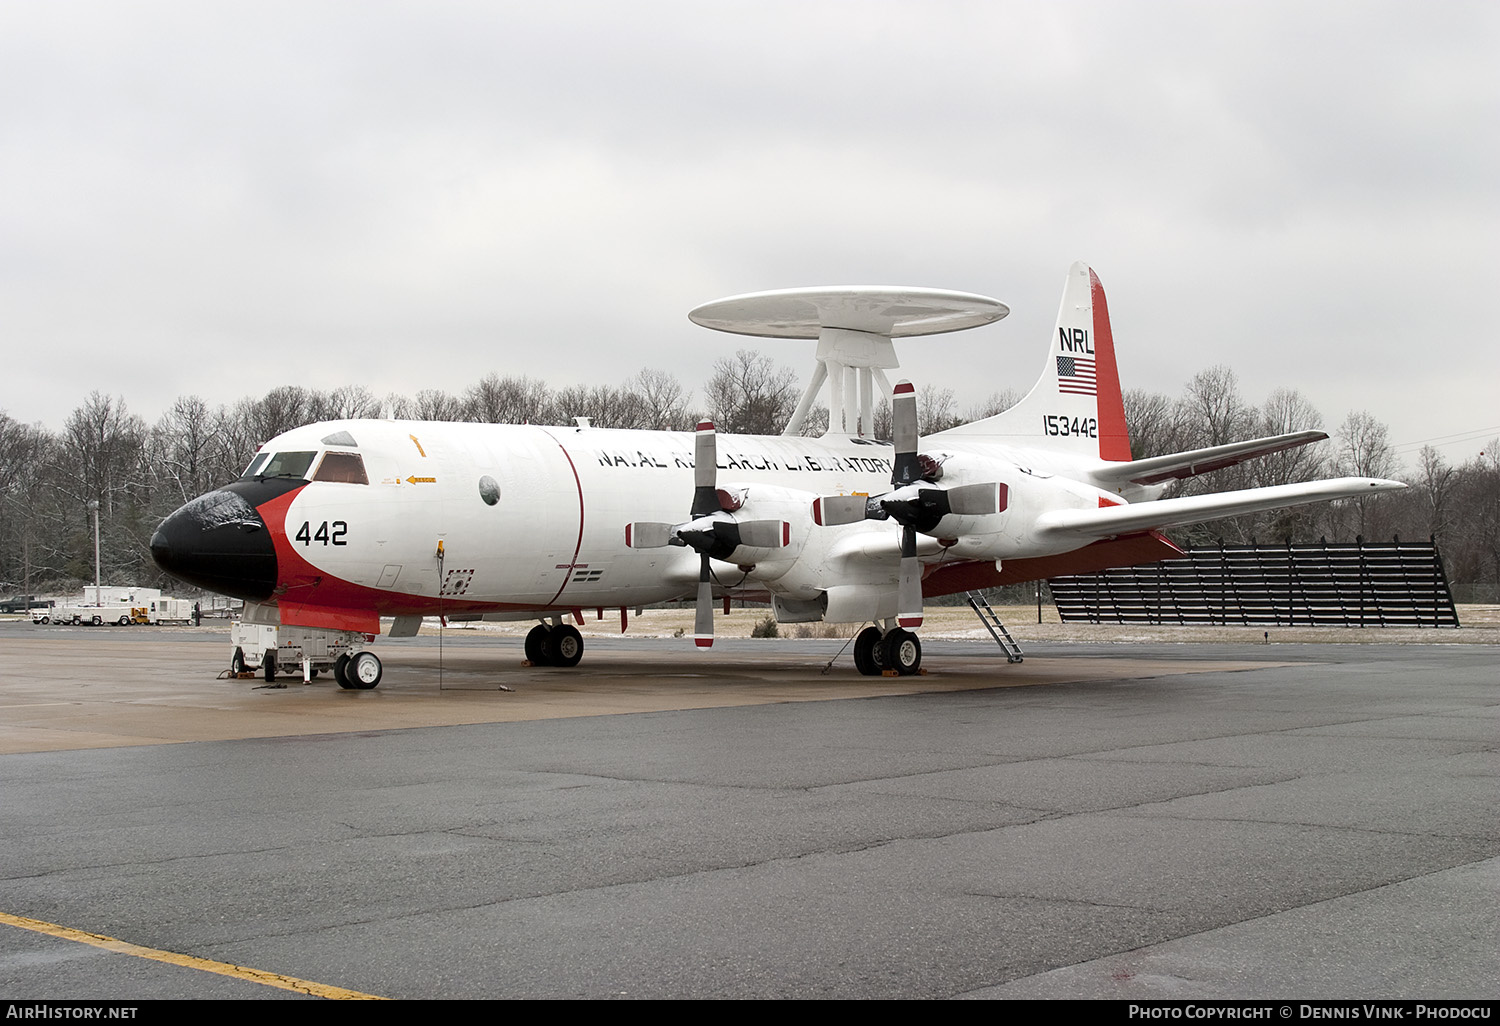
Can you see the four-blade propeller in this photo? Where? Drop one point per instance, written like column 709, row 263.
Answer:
column 913, row 502
column 713, row 532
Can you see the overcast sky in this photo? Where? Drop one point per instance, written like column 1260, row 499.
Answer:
column 217, row 198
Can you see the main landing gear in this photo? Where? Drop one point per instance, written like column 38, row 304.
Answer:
column 876, row 651
column 555, row 644
column 358, row 672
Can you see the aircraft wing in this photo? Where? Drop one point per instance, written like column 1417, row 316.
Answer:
column 883, row 547
column 1157, row 469
column 1110, row 521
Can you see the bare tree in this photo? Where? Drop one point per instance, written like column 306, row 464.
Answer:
column 604, row 405
column 187, row 451
column 352, row 402
column 1479, row 497
column 1211, row 410
column 815, row 424
column 995, row 402
column 98, row 459
column 1287, row 410
column 1364, row 450
column 279, row 410
column 23, row 462
column 935, row 411
column 239, row 442
column 435, row 404
column 664, row 402
column 1151, row 420
column 507, row 400
column 749, row 395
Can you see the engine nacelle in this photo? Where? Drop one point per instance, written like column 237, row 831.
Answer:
column 764, row 504
column 975, row 495
column 1026, row 494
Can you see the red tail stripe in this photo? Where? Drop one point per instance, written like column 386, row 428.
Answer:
column 1114, row 436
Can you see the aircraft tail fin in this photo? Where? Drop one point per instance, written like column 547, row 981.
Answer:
column 1076, row 406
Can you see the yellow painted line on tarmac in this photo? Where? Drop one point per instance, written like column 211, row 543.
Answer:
column 239, row 972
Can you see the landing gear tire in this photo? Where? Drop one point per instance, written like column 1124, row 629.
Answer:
column 564, row 646
column 536, row 645
column 341, row 671
column 902, row 652
column 237, row 662
column 269, row 665
column 865, row 659
column 364, row 670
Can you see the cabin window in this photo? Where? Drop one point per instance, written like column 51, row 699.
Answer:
column 343, row 467
column 288, row 464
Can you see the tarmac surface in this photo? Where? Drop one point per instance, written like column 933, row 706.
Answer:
column 1132, row 821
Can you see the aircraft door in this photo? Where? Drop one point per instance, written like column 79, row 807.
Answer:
column 513, row 522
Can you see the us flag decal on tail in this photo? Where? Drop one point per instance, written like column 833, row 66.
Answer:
column 1076, row 376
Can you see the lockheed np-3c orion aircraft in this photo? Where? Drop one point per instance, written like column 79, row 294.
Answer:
column 336, row 525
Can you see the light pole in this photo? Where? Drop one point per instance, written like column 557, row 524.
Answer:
column 94, row 508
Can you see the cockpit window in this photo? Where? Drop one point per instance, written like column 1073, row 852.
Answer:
column 287, row 464
column 345, row 467
column 256, row 464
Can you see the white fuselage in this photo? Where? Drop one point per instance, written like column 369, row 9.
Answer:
column 554, row 534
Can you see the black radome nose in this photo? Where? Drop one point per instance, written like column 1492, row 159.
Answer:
column 219, row 542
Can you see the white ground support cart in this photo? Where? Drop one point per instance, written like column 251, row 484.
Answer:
column 85, row 614
column 273, row 649
column 163, row 610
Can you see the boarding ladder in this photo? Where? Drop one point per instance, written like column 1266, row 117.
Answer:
column 991, row 621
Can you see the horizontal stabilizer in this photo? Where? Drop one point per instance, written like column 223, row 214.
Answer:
column 1157, row 469
column 1159, row 513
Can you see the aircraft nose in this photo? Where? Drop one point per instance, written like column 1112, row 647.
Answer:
column 219, row 542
